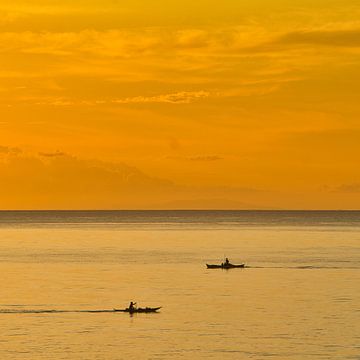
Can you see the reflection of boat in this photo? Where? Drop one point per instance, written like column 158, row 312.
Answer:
column 139, row 310
column 225, row 266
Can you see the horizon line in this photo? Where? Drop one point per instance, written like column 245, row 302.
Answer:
column 143, row 210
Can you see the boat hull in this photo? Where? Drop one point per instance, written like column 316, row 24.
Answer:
column 222, row 266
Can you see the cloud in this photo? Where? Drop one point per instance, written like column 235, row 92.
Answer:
column 53, row 154
column 182, row 97
column 9, row 150
column 341, row 38
column 67, row 182
column 196, row 158
column 348, row 188
column 183, row 66
column 205, row 158
column 255, row 88
column 210, row 43
column 192, row 39
column 197, row 44
column 308, row 38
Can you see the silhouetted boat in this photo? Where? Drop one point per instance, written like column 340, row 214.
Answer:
column 225, row 266
column 139, row 310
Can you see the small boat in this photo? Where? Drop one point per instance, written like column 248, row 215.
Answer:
column 139, row 310
column 225, row 266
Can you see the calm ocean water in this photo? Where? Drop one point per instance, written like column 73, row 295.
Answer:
column 299, row 297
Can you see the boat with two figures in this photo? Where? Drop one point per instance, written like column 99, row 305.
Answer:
column 225, row 265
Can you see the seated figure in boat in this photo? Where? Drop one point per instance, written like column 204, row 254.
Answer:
column 227, row 262
column 132, row 306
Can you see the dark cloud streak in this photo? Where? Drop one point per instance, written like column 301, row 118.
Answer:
column 9, row 150
column 54, row 154
column 306, row 38
column 344, row 38
column 205, row 158
column 348, row 188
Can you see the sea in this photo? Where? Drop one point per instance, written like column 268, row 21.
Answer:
column 63, row 273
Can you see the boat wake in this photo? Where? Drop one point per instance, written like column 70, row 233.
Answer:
column 51, row 311
column 303, row 267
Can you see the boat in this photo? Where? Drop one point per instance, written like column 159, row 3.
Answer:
column 225, row 266
column 139, row 310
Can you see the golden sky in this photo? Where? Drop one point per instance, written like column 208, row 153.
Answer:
column 179, row 104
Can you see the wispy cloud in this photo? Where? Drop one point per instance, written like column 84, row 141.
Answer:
column 205, row 158
column 348, row 188
column 182, row 97
column 199, row 158
column 52, row 154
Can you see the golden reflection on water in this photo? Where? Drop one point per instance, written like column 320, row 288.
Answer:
column 298, row 300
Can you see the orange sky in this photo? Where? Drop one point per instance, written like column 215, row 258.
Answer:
column 179, row 104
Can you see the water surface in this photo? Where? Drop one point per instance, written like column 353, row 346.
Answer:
column 63, row 273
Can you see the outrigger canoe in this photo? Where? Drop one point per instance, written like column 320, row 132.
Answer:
column 139, row 310
column 225, row 266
